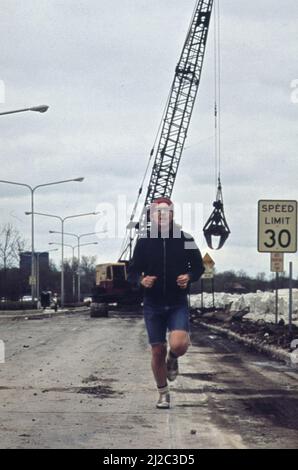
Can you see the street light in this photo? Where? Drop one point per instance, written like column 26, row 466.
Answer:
column 73, row 248
column 78, row 237
column 32, row 191
column 40, row 109
column 73, row 276
column 90, row 243
column 62, row 220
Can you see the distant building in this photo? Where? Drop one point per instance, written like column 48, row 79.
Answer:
column 25, row 261
column 25, row 267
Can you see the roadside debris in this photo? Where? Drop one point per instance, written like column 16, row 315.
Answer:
column 91, row 378
column 99, row 391
column 260, row 304
column 276, row 335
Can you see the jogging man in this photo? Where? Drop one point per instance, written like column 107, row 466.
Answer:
column 165, row 263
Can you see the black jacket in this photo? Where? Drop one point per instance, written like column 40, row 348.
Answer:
column 166, row 258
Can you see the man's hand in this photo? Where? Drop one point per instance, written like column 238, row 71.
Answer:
column 148, row 281
column 183, row 280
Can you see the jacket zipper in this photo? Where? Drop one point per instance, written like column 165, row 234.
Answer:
column 164, row 267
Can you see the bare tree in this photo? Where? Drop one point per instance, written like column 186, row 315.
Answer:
column 11, row 243
column 88, row 264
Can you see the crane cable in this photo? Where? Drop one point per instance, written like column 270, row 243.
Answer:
column 158, row 131
column 216, row 225
column 126, row 240
column 149, row 160
column 217, row 92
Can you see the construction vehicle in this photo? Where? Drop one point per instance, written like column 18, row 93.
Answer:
column 112, row 287
column 111, row 279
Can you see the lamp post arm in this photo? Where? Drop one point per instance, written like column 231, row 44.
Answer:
column 45, row 215
column 53, row 183
column 41, row 109
column 72, row 235
column 78, row 215
column 18, row 184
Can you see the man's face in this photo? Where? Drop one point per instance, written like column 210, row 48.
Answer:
column 162, row 215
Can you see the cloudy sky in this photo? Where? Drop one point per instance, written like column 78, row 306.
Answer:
column 105, row 69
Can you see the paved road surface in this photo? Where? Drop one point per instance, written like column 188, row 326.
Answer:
column 77, row 382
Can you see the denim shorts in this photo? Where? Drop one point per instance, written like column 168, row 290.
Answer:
column 162, row 318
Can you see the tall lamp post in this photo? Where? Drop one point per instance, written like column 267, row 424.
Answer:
column 73, row 248
column 62, row 220
column 32, row 191
column 40, row 109
column 73, row 276
column 78, row 237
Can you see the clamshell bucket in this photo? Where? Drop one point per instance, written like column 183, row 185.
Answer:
column 216, row 225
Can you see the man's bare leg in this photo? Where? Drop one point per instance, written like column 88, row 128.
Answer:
column 159, row 368
column 179, row 342
column 158, row 364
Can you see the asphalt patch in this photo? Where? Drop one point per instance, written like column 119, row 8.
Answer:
column 273, row 409
column 91, row 378
column 200, row 376
column 99, row 391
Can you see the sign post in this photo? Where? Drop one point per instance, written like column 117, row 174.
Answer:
column 277, row 226
column 202, row 294
column 209, row 267
column 290, row 296
column 208, row 274
column 32, row 280
column 276, row 266
column 277, row 234
column 277, row 262
column 276, row 298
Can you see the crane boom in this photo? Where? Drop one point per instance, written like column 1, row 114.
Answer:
column 180, row 105
column 178, row 112
column 111, row 279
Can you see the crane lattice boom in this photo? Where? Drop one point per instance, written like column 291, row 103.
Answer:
column 180, row 106
column 167, row 153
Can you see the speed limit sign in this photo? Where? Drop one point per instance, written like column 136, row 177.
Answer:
column 277, row 226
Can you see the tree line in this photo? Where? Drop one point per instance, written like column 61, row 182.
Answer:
column 14, row 284
column 241, row 282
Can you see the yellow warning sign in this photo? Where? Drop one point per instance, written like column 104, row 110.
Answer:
column 209, row 267
column 208, row 261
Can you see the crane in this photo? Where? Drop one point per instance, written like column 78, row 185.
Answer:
column 180, row 105
column 176, row 120
column 168, row 151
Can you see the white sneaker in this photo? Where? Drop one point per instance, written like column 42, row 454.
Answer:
column 163, row 401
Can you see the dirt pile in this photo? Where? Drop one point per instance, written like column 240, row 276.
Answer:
column 260, row 331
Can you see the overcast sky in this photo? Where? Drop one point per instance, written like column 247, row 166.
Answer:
column 105, row 69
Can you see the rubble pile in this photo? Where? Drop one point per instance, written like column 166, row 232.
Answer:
column 261, row 305
column 250, row 315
